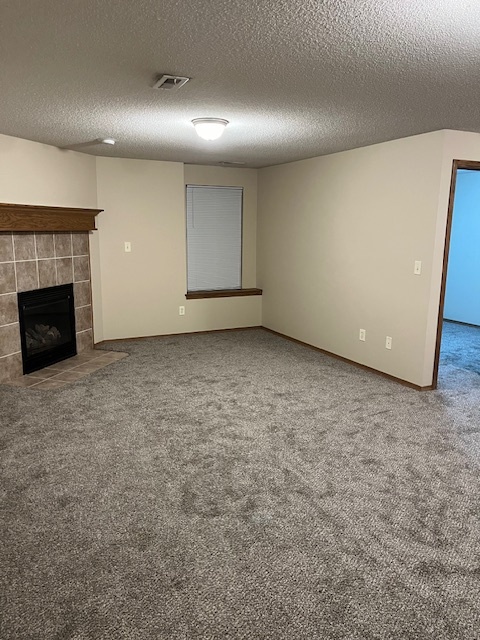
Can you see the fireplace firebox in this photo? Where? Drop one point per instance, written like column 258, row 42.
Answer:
column 47, row 326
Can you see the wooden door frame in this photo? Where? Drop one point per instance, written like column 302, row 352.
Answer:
column 457, row 164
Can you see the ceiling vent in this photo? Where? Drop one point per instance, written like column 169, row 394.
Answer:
column 232, row 163
column 170, row 82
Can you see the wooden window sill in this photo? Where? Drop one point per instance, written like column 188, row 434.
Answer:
column 222, row 293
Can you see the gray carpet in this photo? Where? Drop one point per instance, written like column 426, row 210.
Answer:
column 460, row 354
column 239, row 486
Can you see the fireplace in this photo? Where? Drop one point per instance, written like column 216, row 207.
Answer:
column 47, row 326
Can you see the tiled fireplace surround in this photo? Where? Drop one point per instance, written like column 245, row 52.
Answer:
column 31, row 261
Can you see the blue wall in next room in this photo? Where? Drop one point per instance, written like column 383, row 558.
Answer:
column 462, row 299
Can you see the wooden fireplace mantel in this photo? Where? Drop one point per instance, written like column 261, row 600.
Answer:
column 27, row 217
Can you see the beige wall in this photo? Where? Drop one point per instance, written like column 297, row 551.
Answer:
column 144, row 201
column 141, row 291
column 34, row 173
column 338, row 237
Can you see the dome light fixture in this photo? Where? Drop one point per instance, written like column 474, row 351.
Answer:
column 209, row 128
column 110, row 141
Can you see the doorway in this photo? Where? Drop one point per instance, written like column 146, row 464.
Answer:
column 458, row 333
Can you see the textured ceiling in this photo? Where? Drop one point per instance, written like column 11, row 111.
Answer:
column 295, row 78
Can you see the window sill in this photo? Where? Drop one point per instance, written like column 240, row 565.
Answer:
column 222, row 293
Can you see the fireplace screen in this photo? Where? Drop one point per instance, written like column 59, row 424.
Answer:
column 47, row 326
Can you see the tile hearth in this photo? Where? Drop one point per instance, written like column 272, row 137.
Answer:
column 68, row 371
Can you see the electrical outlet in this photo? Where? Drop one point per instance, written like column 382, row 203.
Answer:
column 362, row 335
column 181, row 311
column 388, row 342
column 128, row 247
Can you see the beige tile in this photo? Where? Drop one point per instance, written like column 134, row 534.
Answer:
column 83, row 318
column 81, row 269
column 84, row 341
column 27, row 279
column 43, row 374
column 24, row 381
column 24, row 245
column 91, row 367
column 112, row 357
column 47, row 273
column 81, row 293
column 8, row 309
column 71, row 376
column 103, row 362
column 80, row 244
column 106, row 355
column 34, row 378
column 63, row 245
column 11, row 367
column 64, row 270
column 85, row 358
column 45, row 246
column 119, row 355
column 9, row 339
column 7, row 278
column 57, row 368
column 6, row 247
column 99, row 362
column 64, row 365
column 50, row 384
column 89, row 354
column 95, row 353
column 72, row 359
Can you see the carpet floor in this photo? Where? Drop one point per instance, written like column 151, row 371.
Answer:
column 460, row 355
column 239, row 486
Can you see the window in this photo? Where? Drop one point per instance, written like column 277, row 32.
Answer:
column 214, row 238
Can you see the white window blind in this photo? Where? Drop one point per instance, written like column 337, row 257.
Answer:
column 214, row 238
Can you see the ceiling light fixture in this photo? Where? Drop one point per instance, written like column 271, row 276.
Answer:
column 209, row 128
column 106, row 141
